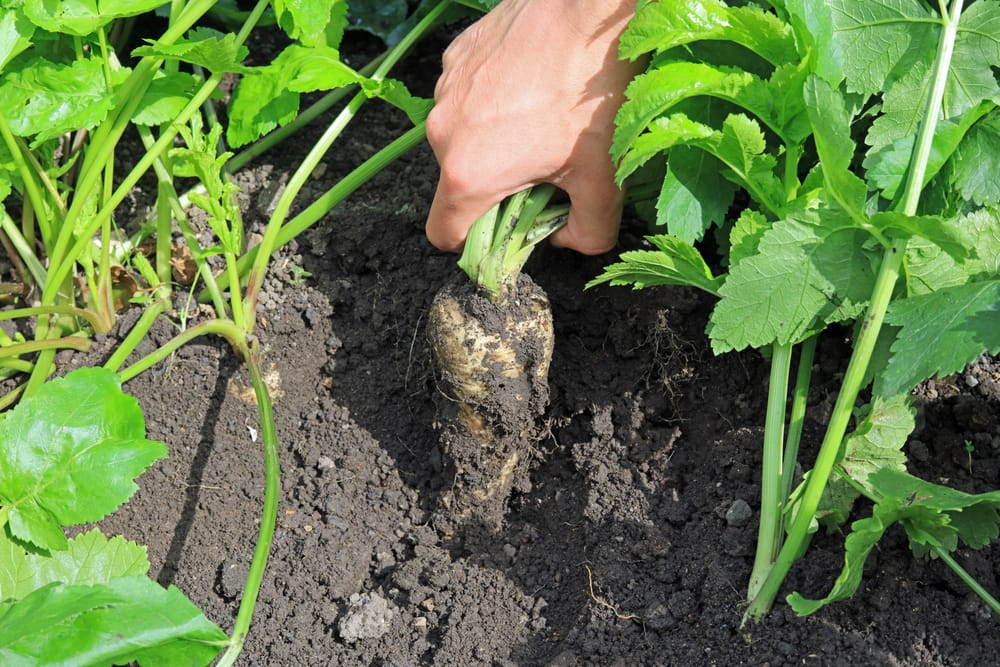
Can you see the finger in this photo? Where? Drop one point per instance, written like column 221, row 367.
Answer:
column 595, row 216
column 452, row 214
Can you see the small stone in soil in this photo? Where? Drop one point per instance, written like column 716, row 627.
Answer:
column 739, row 513
column 368, row 616
column 232, row 579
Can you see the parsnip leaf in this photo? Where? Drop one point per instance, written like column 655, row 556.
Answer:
column 211, row 49
column 43, row 99
column 881, row 40
column 694, row 195
column 83, row 17
column 831, row 121
column 313, row 23
column 90, row 558
column 15, row 34
column 953, row 239
column 976, row 170
column 879, row 439
column 810, row 268
column 77, row 437
column 746, row 235
column 128, row 619
column 941, row 332
column 268, row 97
column 928, row 268
column 971, row 79
column 166, row 96
column 674, row 262
column 661, row 26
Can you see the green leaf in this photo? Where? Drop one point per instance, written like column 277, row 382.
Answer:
column 881, row 40
column 941, row 333
column 976, row 162
column 929, row 269
column 44, row 100
column 397, row 94
column 662, row 135
column 91, row 558
column 314, row 23
column 955, row 240
column 68, row 455
column 674, row 262
column 15, row 34
column 743, row 149
column 128, row 619
column 661, row 26
column 878, row 441
column 810, row 269
column 654, row 93
column 83, row 17
column 970, row 78
column 208, row 48
column 812, row 23
column 378, row 17
column 746, row 235
column 831, row 124
column 268, row 97
column 165, row 98
column 887, row 165
column 694, row 195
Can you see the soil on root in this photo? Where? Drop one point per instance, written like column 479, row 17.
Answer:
column 633, row 540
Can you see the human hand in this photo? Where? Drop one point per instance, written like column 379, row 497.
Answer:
column 528, row 95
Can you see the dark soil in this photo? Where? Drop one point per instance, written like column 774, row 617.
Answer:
column 630, row 545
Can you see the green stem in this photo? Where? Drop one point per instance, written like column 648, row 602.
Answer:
column 269, row 512
column 31, row 187
column 24, row 249
column 969, row 580
column 135, row 335
column 225, row 328
column 49, row 344
column 796, row 417
column 51, row 310
column 885, row 283
column 769, row 528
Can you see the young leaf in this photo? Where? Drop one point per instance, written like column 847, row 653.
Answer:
column 660, row 26
column 90, row 558
column 831, row 125
column 878, row 441
column 208, row 48
column 694, row 195
column 268, row 97
column 654, row 93
column 673, row 263
column 166, row 96
column 397, row 94
column 128, row 619
column 810, row 269
column 78, row 438
column 746, row 235
column 83, row 17
column 941, row 333
column 865, row 534
column 313, row 23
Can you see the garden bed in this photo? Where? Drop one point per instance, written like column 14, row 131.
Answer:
column 633, row 543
